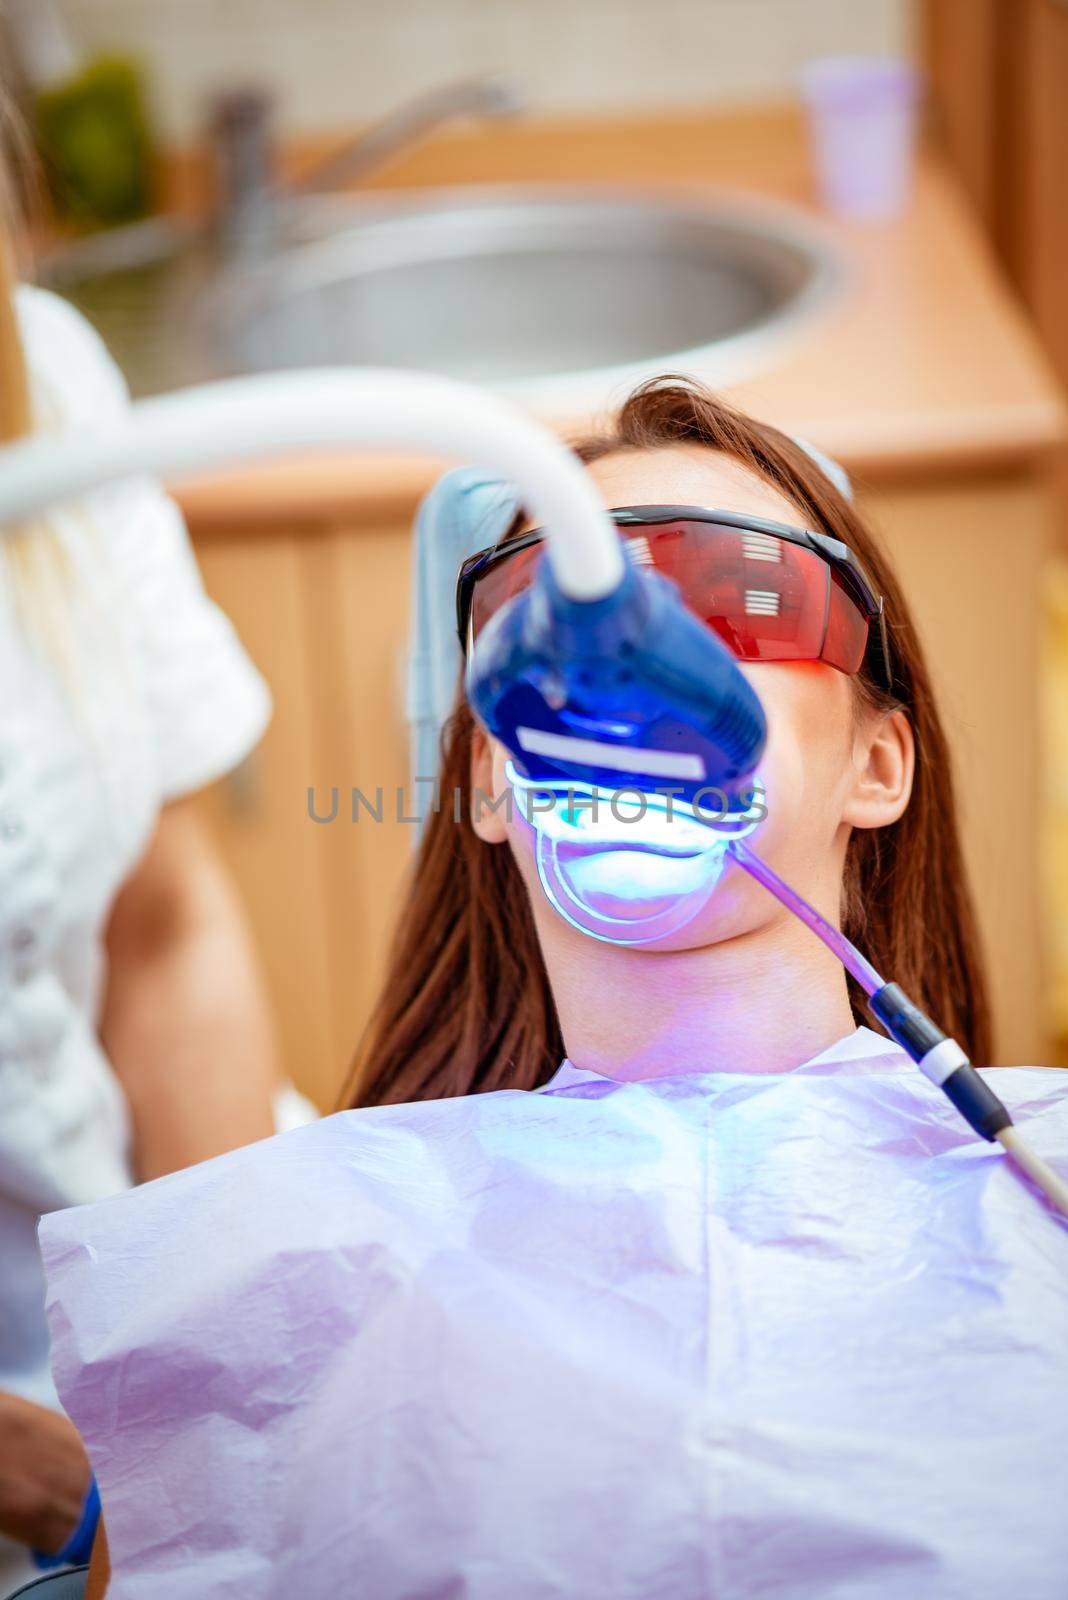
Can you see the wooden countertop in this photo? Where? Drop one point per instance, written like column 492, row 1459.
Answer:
column 925, row 365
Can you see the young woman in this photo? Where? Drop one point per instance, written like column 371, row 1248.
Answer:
column 485, row 980
column 733, row 1303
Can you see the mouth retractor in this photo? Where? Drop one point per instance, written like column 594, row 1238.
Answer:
column 627, row 866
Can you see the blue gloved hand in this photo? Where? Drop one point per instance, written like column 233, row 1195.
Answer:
column 79, row 1546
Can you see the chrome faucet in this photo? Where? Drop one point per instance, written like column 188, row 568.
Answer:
column 251, row 200
column 475, row 97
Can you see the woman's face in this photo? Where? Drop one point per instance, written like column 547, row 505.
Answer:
column 830, row 764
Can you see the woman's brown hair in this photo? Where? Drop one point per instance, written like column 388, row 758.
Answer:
column 466, row 1005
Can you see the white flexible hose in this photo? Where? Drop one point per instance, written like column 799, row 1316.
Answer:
column 246, row 419
column 1040, row 1172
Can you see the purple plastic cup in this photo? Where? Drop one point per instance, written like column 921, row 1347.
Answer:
column 862, row 115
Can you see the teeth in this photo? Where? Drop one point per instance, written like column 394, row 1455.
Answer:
column 584, row 816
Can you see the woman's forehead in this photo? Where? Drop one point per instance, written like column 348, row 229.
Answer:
column 688, row 474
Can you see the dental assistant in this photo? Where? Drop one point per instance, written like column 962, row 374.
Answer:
column 134, row 1036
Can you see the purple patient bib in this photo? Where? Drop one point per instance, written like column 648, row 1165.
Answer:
column 707, row 1337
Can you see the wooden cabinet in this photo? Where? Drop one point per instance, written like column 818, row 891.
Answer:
column 999, row 79
column 971, row 555
column 999, row 82
column 323, row 610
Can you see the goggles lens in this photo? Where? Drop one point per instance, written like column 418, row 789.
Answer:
column 767, row 598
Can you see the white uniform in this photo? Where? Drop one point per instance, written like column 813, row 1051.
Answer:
column 163, row 700
column 714, row 1336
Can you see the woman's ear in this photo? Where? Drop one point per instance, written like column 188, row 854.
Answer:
column 884, row 761
column 487, row 818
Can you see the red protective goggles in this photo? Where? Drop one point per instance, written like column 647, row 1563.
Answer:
column 771, row 592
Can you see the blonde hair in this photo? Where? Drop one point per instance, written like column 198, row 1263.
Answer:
column 34, row 554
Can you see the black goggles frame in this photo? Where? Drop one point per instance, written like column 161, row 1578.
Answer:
column 837, row 555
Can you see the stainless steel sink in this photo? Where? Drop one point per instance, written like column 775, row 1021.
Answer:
column 559, row 296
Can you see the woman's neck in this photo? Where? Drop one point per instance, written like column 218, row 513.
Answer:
column 763, row 1001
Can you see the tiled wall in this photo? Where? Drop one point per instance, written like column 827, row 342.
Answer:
column 335, row 62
